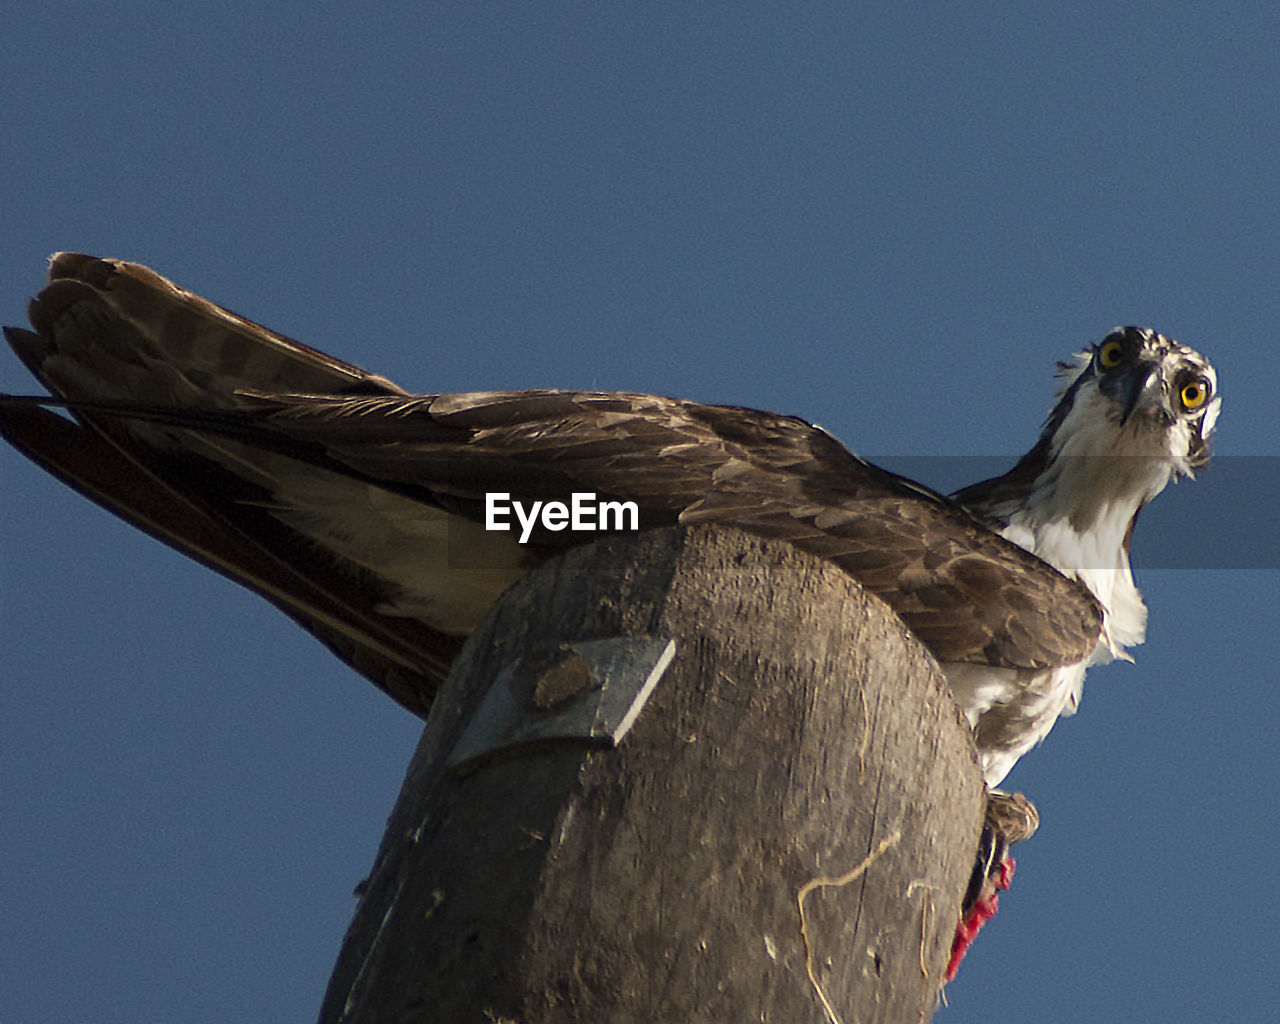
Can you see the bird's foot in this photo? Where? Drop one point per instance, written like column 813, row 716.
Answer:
column 1010, row 818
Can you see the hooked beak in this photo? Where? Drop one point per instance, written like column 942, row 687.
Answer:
column 1138, row 392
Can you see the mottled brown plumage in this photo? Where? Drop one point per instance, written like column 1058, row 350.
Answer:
column 218, row 429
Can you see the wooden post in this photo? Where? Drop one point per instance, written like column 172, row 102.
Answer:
column 784, row 834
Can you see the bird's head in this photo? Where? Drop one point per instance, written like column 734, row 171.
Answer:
column 1136, row 410
column 1136, row 393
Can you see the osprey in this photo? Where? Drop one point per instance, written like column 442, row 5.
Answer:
column 359, row 508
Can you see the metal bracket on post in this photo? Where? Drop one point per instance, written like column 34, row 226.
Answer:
column 588, row 690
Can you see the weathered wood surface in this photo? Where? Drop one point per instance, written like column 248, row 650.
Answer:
column 801, row 744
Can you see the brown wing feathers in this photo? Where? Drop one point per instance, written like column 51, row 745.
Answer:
column 970, row 595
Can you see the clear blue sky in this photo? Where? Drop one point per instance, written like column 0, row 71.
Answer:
column 888, row 218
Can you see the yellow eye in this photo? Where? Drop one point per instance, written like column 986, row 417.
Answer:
column 1195, row 394
column 1111, row 354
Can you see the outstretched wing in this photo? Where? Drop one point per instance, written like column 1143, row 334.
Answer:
column 109, row 329
column 305, row 479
